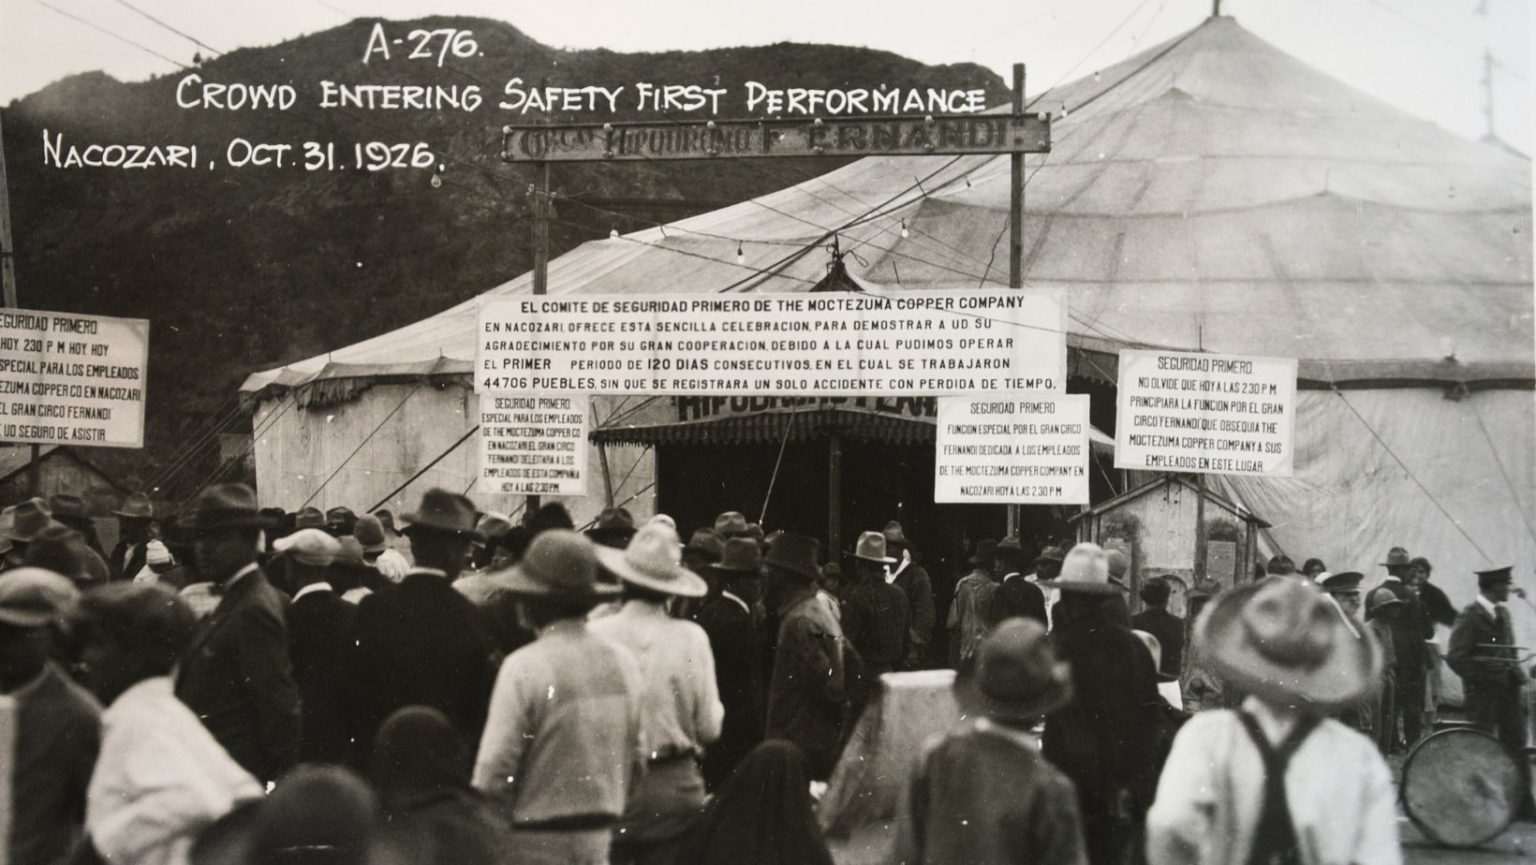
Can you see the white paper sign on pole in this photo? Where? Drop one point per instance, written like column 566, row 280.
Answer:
column 916, row 343
column 72, row 379
column 1023, row 448
column 1211, row 413
column 533, row 444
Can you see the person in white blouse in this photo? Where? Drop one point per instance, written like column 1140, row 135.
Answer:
column 161, row 777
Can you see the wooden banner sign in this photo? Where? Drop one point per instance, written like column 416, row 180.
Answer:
column 837, row 136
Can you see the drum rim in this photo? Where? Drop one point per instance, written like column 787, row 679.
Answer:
column 1402, row 789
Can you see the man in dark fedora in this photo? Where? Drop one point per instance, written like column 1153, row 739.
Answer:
column 914, row 581
column 30, row 520
column 1016, row 596
column 731, row 620
column 806, row 694
column 237, row 675
column 613, row 529
column 71, row 510
column 983, row 793
column 562, row 746
column 419, row 641
column 133, row 520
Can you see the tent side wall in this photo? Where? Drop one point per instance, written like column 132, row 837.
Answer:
column 401, row 428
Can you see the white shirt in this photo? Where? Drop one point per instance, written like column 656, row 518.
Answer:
column 312, row 588
column 1490, row 606
column 1338, row 789
column 680, row 707
column 392, row 565
column 160, row 779
column 739, row 602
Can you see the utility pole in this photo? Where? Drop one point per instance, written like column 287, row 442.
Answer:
column 1016, row 231
column 541, row 210
column 8, row 285
column 1488, row 90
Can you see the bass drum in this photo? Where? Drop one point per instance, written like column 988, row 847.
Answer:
column 1461, row 787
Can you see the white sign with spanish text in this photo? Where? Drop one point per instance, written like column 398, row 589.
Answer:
column 1022, row 448
column 533, row 444
column 72, row 379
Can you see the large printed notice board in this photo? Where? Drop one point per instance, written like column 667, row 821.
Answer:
column 72, row 379
column 1028, row 448
column 533, row 444
column 835, row 344
column 1218, row 414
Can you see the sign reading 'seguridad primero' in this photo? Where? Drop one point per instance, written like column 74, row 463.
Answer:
column 918, row 343
column 1017, row 448
column 1211, row 413
column 533, row 444
column 72, row 379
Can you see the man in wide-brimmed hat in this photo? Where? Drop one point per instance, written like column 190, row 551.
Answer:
column 732, row 524
column 1277, row 780
column 72, row 511
column 913, row 580
column 681, row 708
column 237, row 676
column 133, row 522
column 370, row 533
column 1410, row 629
column 1493, row 675
column 420, row 642
column 733, row 623
column 972, row 613
column 807, row 697
column 983, row 793
column 566, row 706
column 1165, row 626
column 1104, row 740
column 613, row 529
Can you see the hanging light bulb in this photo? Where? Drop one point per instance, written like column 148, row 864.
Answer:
column 741, row 255
column 437, row 182
column 904, row 232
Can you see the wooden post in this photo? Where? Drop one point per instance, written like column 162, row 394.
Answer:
column 834, row 498
column 541, row 268
column 35, row 473
column 1016, row 231
column 1200, row 527
column 7, row 266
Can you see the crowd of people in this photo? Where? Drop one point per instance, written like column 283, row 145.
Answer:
column 249, row 685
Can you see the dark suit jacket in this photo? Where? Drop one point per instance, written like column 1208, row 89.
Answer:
column 1169, row 631
column 736, row 644
column 1476, row 628
column 918, row 586
column 237, row 677
column 124, row 565
column 320, row 628
column 421, row 643
column 1019, row 597
column 1409, row 631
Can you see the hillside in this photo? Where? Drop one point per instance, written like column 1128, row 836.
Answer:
column 244, row 269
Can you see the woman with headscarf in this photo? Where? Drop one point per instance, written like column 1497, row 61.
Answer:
column 432, row 816
column 762, row 816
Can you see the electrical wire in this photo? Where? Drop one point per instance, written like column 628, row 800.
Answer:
column 364, row 443
column 115, row 35
column 189, row 37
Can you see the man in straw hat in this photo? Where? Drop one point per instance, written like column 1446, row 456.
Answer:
column 1277, row 780
column 237, row 675
column 732, row 619
column 566, row 706
column 1492, row 674
column 420, row 642
column 57, row 724
column 875, row 616
column 983, row 793
column 1105, row 740
column 680, row 709
column 1409, row 631
column 806, row 697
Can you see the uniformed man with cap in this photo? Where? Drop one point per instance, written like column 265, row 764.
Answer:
column 1484, row 655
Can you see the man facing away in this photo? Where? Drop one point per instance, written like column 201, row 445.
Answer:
column 875, row 616
column 735, row 631
column 807, row 697
column 1165, row 626
column 1017, row 595
column 971, row 613
column 237, row 676
column 983, row 793
column 913, row 580
column 562, row 743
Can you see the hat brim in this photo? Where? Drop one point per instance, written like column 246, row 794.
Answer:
column 1080, row 587
column 519, row 582
column 886, row 560
column 125, row 515
column 215, row 524
column 419, row 523
column 1350, row 671
column 1055, row 694
column 737, row 572
column 680, row 581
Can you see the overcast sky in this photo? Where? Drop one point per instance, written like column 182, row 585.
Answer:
column 1425, row 56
